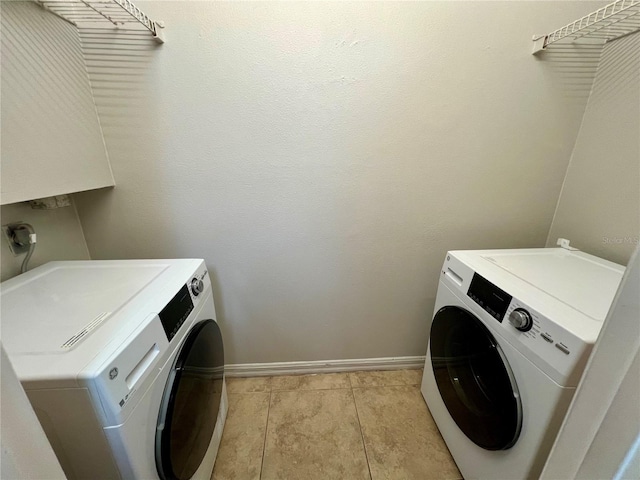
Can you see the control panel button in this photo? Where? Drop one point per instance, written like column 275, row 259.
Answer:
column 521, row 319
column 197, row 286
column 562, row 348
column 546, row 337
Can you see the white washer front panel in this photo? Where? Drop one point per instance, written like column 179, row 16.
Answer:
column 544, row 404
column 134, row 440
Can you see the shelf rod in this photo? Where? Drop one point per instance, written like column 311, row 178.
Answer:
column 582, row 24
column 116, row 12
column 99, row 12
column 136, row 13
column 607, row 24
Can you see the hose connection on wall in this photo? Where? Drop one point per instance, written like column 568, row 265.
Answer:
column 22, row 239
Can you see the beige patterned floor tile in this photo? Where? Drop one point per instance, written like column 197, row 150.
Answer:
column 313, row 434
column 247, row 385
column 400, row 436
column 384, row 378
column 321, row 381
column 240, row 453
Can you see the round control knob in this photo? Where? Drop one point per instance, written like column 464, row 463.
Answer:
column 197, row 286
column 521, row 319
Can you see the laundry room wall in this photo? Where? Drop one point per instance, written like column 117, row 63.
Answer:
column 49, row 130
column 599, row 208
column 59, row 236
column 323, row 156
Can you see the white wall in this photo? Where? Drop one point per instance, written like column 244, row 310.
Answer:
column 24, row 448
column 599, row 209
column 323, row 156
column 603, row 422
column 58, row 231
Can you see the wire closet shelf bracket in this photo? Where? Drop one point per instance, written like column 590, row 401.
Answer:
column 119, row 13
column 615, row 20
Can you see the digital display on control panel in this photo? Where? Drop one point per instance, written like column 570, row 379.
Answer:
column 489, row 297
column 176, row 312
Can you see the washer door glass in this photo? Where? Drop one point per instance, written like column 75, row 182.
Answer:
column 474, row 379
column 190, row 403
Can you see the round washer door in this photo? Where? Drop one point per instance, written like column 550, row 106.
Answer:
column 475, row 380
column 190, row 404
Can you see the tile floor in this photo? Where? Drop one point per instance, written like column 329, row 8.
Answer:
column 359, row 425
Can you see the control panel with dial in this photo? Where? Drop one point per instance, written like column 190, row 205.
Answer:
column 521, row 319
column 534, row 327
column 197, row 286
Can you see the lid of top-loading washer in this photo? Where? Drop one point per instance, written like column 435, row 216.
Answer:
column 582, row 281
column 53, row 308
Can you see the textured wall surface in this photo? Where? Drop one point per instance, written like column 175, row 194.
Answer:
column 51, row 138
column 58, row 232
column 323, row 156
column 599, row 208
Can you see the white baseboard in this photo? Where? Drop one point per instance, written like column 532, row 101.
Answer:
column 322, row 366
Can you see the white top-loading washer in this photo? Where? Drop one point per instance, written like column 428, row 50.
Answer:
column 123, row 363
column 511, row 333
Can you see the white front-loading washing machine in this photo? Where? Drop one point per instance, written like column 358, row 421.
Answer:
column 123, row 363
column 509, row 339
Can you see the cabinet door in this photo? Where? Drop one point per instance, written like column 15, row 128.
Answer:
column 51, row 138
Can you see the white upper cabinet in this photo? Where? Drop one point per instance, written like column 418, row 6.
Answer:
column 51, row 138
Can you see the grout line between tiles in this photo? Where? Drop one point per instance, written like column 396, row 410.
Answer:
column 266, row 429
column 364, row 444
column 311, row 389
column 417, row 385
column 239, row 393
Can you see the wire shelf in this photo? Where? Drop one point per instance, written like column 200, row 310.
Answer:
column 120, row 13
column 615, row 20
